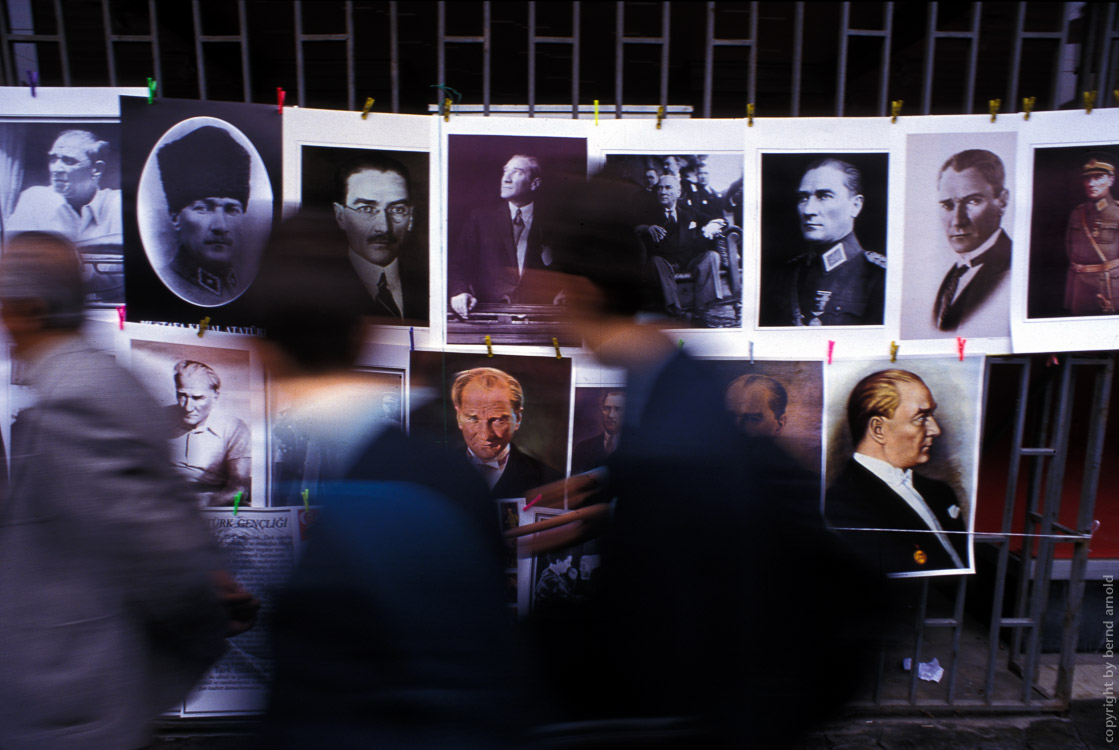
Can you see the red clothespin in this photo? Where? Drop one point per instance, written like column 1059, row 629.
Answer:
column 1052, row 361
column 280, row 100
column 960, row 343
column 831, row 349
column 120, row 315
column 203, row 325
column 32, row 80
column 489, row 346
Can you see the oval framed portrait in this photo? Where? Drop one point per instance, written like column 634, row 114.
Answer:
column 204, row 210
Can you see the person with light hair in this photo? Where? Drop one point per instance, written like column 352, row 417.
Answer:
column 489, row 408
column 891, row 415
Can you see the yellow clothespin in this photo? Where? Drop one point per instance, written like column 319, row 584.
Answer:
column 1089, row 101
column 596, row 111
column 203, row 325
column 555, row 343
column 893, row 351
column 750, row 114
column 895, row 110
column 660, row 116
column 489, row 346
column 1028, row 104
column 1115, row 94
column 994, row 105
column 368, row 106
column 447, row 109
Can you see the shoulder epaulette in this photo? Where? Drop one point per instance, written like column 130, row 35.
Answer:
column 877, row 259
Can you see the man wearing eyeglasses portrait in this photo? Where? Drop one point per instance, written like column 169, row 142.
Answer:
column 377, row 215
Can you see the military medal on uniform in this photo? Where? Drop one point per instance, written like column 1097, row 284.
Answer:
column 822, row 297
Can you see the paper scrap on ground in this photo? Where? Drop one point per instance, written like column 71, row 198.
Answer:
column 930, row 671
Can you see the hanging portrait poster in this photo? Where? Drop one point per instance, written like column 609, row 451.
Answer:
column 781, row 401
column 374, row 183
column 960, row 196
column 596, row 426
column 1068, row 295
column 314, row 439
column 684, row 204
column 214, row 402
column 503, row 180
column 508, row 416
column 902, row 461
column 60, row 157
column 827, row 235
column 201, row 190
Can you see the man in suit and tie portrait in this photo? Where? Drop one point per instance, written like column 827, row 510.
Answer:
column 501, row 244
column 593, row 451
column 489, row 408
column 758, row 404
column 677, row 239
column 376, row 213
column 891, row 416
column 974, row 297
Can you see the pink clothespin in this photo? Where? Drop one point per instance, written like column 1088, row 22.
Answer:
column 534, row 502
column 831, row 349
column 960, row 343
column 120, row 315
column 1052, row 361
column 280, row 100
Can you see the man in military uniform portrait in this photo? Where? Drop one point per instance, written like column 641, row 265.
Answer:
column 835, row 282
column 205, row 177
column 1092, row 243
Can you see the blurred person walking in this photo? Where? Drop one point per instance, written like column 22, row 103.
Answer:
column 110, row 590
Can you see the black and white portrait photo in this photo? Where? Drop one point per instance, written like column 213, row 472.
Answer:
column 500, row 219
column 1074, row 233
column 379, row 203
column 959, row 215
column 686, row 210
column 903, row 446
column 209, row 416
column 823, row 239
column 66, row 179
column 202, row 223
column 200, row 185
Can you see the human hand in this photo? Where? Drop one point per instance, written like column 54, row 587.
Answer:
column 713, row 228
column 462, row 304
column 657, row 232
column 241, row 607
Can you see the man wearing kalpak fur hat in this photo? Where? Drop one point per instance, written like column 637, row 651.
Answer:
column 205, row 176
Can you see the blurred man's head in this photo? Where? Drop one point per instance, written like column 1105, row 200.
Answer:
column 197, row 389
column 758, row 404
column 41, row 290
column 489, row 404
column 668, row 191
column 375, row 210
column 206, row 176
column 702, row 174
column 520, row 179
column 613, row 411
column 828, row 200
column 890, row 414
column 973, row 197
column 651, row 177
column 77, row 162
